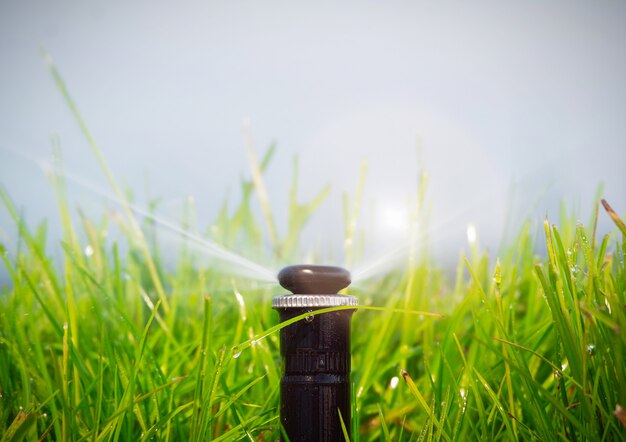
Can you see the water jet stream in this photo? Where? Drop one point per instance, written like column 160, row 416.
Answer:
column 388, row 260
column 255, row 270
column 380, row 265
column 262, row 273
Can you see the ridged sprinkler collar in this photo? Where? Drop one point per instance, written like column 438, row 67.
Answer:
column 288, row 301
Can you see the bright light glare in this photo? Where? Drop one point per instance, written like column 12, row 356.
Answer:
column 395, row 220
column 471, row 234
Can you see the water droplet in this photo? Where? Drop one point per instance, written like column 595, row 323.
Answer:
column 309, row 318
column 65, row 326
column 472, row 234
column 236, row 355
column 394, row 382
column 591, row 349
column 253, row 342
column 569, row 251
column 88, row 251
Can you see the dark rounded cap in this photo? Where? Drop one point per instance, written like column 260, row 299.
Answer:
column 311, row 279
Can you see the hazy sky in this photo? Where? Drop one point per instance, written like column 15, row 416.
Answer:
column 498, row 94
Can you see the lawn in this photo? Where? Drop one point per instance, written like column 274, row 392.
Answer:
column 113, row 342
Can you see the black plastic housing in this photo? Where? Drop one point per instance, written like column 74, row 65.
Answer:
column 315, row 386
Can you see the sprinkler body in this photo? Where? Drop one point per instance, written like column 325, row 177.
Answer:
column 315, row 387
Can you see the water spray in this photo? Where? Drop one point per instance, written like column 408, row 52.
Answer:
column 315, row 387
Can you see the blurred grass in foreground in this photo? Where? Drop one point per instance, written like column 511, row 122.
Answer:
column 101, row 347
column 110, row 344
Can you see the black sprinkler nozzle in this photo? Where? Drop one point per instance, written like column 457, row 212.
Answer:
column 315, row 387
column 311, row 279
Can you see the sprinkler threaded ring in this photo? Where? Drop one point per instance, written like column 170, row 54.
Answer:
column 319, row 301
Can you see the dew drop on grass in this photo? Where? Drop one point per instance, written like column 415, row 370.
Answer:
column 394, row 382
column 591, row 349
column 309, row 318
column 88, row 251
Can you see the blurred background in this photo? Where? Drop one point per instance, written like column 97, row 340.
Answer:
column 510, row 107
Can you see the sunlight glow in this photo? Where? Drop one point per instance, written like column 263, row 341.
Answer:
column 395, row 220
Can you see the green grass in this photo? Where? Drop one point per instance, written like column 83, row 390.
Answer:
column 114, row 345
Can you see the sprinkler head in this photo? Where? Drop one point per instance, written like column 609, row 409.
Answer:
column 315, row 387
column 307, row 279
